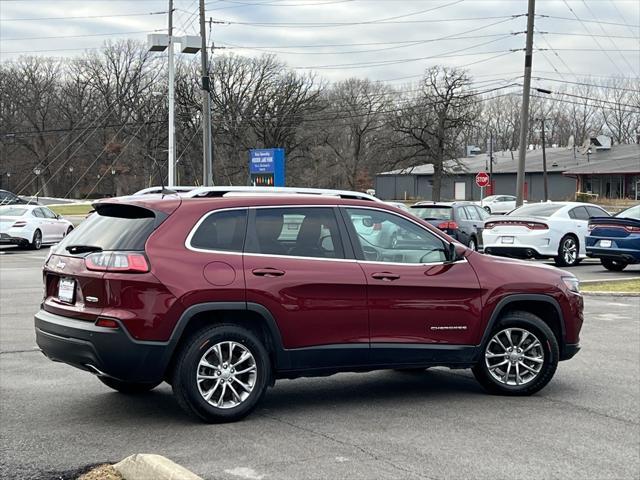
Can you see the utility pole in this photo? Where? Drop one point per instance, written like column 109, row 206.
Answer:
column 491, row 163
column 544, row 164
column 207, row 160
column 524, row 117
column 171, row 164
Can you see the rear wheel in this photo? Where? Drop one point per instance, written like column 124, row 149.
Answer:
column 221, row 373
column 36, row 243
column 128, row 387
column 568, row 252
column 520, row 357
column 613, row 265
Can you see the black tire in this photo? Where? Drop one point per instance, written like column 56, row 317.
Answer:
column 69, row 230
column 567, row 243
column 548, row 344
column 473, row 244
column 128, row 387
column 36, row 242
column 487, row 209
column 613, row 265
column 185, row 385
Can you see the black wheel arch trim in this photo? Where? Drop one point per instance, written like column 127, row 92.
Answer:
column 523, row 297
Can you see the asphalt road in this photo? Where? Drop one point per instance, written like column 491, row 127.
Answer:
column 391, row 425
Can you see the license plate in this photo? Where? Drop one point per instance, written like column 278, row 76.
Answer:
column 605, row 243
column 507, row 239
column 66, row 290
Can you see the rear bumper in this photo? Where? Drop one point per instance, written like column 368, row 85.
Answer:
column 6, row 239
column 623, row 255
column 105, row 351
column 514, row 252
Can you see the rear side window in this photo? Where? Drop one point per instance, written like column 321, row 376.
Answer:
column 223, row 231
column 432, row 213
column 596, row 212
column 298, row 232
column 114, row 227
column 579, row 213
column 37, row 212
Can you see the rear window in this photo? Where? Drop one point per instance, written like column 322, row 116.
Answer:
column 432, row 213
column 537, row 210
column 12, row 211
column 114, row 227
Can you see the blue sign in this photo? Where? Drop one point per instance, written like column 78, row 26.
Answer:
column 266, row 167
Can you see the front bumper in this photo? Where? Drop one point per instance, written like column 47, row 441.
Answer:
column 104, row 351
column 569, row 351
column 7, row 239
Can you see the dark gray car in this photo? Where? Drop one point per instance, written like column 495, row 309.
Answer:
column 463, row 221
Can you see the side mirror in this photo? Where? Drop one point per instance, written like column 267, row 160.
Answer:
column 367, row 222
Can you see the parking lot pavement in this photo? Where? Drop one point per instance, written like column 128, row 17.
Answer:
column 391, row 425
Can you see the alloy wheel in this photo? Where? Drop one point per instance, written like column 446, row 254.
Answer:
column 514, row 357
column 226, row 374
column 37, row 240
column 569, row 251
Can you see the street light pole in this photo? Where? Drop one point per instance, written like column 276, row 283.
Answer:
column 207, row 165
column 524, row 116
column 172, row 133
column 544, row 164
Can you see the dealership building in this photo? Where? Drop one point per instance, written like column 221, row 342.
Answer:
column 608, row 171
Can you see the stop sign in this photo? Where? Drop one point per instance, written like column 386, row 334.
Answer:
column 482, row 179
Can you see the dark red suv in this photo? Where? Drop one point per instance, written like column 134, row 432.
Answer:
column 221, row 293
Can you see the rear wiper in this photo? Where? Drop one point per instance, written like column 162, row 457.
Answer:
column 83, row 248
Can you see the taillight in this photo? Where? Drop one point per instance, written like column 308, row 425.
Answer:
column 529, row 225
column 117, row 262
column 591, row 226
column 628, row 228
column 19, row 224
column 632, row 229
column 448, row 226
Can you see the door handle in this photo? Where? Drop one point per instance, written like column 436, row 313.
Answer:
column 267, row 272
column 387, row 276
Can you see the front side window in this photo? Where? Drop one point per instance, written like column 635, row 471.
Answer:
column 472, row 213
column 384, row 237
column 223, row 231
column 297, row 232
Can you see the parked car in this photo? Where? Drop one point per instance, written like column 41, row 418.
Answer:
column 463, row 221
column 399, row 205
column 8, row 198
column 207, row 294
column 495, row 204
column 542, row 230
column 615, row 240
column 31, row 226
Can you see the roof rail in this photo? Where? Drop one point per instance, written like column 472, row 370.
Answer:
column 235, row 190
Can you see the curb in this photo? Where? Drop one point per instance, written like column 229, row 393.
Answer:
column 610, row 294
column 147, row 466
column 605, row 280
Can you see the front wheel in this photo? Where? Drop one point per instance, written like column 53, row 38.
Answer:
column 221, row 373
column 128, row 387
column 487, row 209
column 520, row 357
column 473, row 245
column 613, row 265
column 568, row 252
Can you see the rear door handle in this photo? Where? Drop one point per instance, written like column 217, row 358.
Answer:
column 267, row 272
column 387, row 276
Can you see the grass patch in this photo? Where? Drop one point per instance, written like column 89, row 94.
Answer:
column 72, row 209
column 625, row 286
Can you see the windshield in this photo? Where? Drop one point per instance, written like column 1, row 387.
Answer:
column 537, row 210
column 12, row 211
column 432, row 213
column 633, row 212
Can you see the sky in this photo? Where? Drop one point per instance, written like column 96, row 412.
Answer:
column 386, row 40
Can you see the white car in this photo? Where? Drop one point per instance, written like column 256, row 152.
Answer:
column 498, row 203
column 31, row 226
column 542, row 230
column 399, row 205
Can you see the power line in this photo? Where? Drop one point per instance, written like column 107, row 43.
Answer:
column 80, row 36
column 83, row 17
column 586, row 21
column 587, row 84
